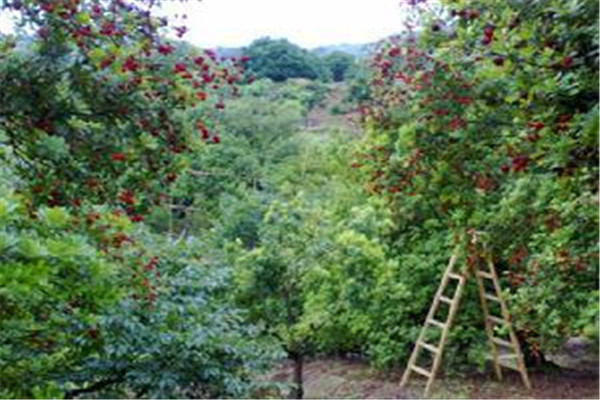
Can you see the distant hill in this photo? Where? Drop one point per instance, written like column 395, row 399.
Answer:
column 357, row 50
column 228, row 52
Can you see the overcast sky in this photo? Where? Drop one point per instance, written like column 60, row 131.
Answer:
column 309, row 23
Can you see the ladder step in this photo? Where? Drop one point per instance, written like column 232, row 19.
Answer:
column 492, row 298
column 497, row 320
column 483, row 274
column 421, row 371
column 436, row 323
column 509, row 361
column 502, row 342
column 429, row 347
column 456, row 276
column 445, row 299
column 505, row 357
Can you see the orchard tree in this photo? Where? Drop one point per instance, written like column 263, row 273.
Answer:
column 340, row 64
column 274, row 272
column 485, row 115
column 99, row 106
column 278, row 59
column 99, row 113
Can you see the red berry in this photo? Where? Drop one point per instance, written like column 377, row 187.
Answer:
column 504, row 168
column 108, row 28
column 84, row 31
column 136, row 218
column 165, row 49
column 93, row 333
column 537, row 125
column 106, row 62
column 48, row 7
column 205, row 133
column 130, row 65
column 520, row 162
column 126, row 197
column 179, row 67
column 216, row 139
column 567, row 62
column 394, row 52
column 117, row 156
column 473, row 14
column 464, row 100
column 171, row 177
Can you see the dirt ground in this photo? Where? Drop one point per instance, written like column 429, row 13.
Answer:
column 321, row 119
column 355, row 379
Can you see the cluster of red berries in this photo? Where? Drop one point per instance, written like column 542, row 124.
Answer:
column 488, row 35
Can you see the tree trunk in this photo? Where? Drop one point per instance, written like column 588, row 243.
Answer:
column 297, row 391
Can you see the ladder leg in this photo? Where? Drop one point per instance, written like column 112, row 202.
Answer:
column 438, row 357
column 415, row 353
column 513, row 337
column 411, row 362
column 488, row 324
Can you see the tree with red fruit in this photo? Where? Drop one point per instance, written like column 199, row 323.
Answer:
column 98, row 94
column 491, row 122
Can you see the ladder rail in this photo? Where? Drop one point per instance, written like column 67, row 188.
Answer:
column 415, row 352
column 506, row 316
column 490, row 321
column 452, row 312
column 488, row 325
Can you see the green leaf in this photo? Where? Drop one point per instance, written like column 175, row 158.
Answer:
column 8, row 210
column 54, row 217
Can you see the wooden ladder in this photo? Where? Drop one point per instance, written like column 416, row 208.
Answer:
column 502, row 351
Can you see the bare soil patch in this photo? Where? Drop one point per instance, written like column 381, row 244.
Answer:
column 351, row 379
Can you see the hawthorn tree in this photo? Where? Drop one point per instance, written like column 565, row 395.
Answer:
column 99, row 106
column 485, row 115
column 99, row 114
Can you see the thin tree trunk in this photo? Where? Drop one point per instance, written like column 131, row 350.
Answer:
column 297, row 391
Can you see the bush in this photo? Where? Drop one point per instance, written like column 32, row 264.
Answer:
column 190, row 343
column 77, row 321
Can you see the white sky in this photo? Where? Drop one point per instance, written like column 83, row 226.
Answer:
column 309, row 23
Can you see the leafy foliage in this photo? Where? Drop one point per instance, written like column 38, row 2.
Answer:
column 483, row 121
column 192, row 343
column 98, row 95
column 55, row 285
column 340, row 64
column 278, row 60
